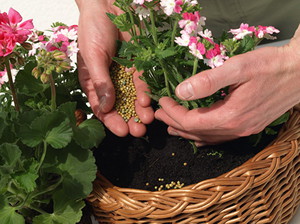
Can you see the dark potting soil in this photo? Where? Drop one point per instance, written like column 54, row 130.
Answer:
column 158, row 159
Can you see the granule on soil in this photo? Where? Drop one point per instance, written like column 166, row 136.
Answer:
column 156, row 160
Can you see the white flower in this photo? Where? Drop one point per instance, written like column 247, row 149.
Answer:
column 206, row 34
column 142, row 12
column 138, row 2
column 184, row 40
column 168, row 6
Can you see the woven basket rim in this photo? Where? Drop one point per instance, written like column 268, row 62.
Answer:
column 135, row 204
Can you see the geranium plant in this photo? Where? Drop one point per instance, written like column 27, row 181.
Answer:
column 170, row 43
column 46, row 165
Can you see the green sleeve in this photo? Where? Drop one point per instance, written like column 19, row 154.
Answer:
column 223, row 15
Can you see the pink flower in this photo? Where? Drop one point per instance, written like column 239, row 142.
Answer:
column 243, row 31
column 178, row 4
column 9, row 23
column 192, row 22
column 265, row 32
column 7, row 43
column 196, row 48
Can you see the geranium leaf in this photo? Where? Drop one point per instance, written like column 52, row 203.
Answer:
column 69, row 215
column 26, row 179
column 27, row 84
column 8, row 214
column 89, row 133
column 77, row 168
column 52, row 127
column 69, row 109
column 10, row 153
column 2, row 126
column 61, row 135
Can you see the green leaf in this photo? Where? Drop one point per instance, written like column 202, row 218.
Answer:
column 8, row 214
column 77, row 168
column 246, row 44
column 111, row 16
column 10, row 153
column 123, row 22
column 270, row 131
column 27, row 84
column 26, row 180
column 69, row 109
column 125, row 62
column 52, row 127
column 282, row 119
column 2, row 126
column 61, row 135
column 69, row 215
column 89, row 133
column 165, row 53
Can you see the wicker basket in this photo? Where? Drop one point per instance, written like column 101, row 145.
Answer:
column 265, row 189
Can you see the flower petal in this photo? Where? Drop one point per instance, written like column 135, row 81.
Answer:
column 14, row 17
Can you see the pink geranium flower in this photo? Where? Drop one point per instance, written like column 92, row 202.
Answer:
column 10, row 23
column 7, row 43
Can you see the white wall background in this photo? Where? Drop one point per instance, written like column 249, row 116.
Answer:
column 45, row 12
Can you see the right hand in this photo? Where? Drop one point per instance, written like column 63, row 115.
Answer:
column 97, row 37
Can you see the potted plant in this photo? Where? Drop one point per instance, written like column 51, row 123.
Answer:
column 46, row 165
column 170, row 43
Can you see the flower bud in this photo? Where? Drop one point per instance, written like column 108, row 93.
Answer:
column 36, row 72
column 12, row 61
column 65, row 65
column 43, row 52
column 59, row 55
column 48, row 71
column 44, row 78
column 59, row 70
column 20, row 60
column 26, row 45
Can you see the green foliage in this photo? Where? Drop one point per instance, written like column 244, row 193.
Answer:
column 46, row 162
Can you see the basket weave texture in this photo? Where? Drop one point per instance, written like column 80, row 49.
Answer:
column 265, row 189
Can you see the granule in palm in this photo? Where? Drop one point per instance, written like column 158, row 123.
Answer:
column 125, row 92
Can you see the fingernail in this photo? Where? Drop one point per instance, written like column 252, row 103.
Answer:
column 102, row 103
column 173, row 133
column 185, row 90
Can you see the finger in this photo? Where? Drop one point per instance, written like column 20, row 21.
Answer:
column 136, row 129
column 209, row 81
column 205, row 119
column 201, row 138
column 141, row 89
column 145, row 114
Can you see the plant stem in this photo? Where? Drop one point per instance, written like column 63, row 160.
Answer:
column 43, row 156
column 195, row 149
column 132, row 21
column 175, row 24
column 153, row 27
column 53, row 93
column 161, row 62
column 37, row 209
column 195, row 66
column 11, row 84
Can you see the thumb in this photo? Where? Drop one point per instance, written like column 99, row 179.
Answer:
column 100, row 89
column 209, row 81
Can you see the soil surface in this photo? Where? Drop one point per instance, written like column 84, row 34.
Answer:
column 159, row 161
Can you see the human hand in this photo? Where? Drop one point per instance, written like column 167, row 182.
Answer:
column 97, row 42
column 264, row 84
